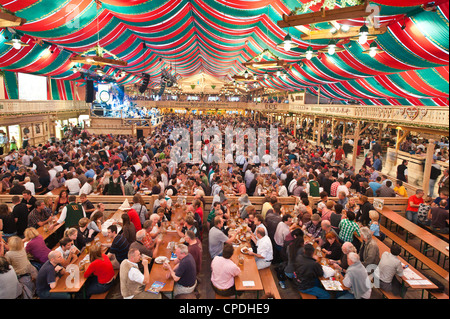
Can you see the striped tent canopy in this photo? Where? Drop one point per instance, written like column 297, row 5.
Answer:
column 217, row 37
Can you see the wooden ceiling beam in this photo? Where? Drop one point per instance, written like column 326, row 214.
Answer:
column 9, row 20
column 352, row 32
column 323, row 15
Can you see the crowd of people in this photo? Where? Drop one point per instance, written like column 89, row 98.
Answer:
column 124, row 165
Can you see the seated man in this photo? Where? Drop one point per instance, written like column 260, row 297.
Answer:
column 264, row 254
column 184, row 273
column 439, row 217
column 308, row 271
column 132, row 280
column 49, row 275
column 217, row 238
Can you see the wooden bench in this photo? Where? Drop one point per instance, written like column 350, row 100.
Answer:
column 269, row 284
column 306, row 296
column 388, row 294
column 416, row 254
column 437, row 295
column 434, row 232
column 104, row 294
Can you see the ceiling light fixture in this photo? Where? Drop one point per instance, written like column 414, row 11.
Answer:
column 309, row 52
column 363, row 32
column 331, row 47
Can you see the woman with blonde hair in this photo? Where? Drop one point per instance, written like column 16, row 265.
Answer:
column 17, row 257
column 36, row 247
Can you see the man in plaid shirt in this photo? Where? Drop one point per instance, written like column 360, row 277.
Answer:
column 347, row 227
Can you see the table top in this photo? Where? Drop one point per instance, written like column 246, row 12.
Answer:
column 418, row 231
column 158, row 273
column 414, row 285
column 61, row 286
column 249, row 271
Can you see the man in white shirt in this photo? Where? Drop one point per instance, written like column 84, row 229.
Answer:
column 265, row 251
column 73, row 184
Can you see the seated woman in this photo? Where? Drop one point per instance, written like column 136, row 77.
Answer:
column 36, row 247
column 332, row 247
column 99, row 274
column 18, row 259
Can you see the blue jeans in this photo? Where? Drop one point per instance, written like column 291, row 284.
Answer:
column 412, row 216
column 344, row 295
column 94, row 287
column 318, row 292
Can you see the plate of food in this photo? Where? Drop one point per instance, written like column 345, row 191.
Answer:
column 246, row 250
column 161, row 259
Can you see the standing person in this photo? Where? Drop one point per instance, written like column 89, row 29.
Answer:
column 414, row 202
column 223, row 272
column 402, row 171
column 184, row 273
column 115, row 184
column 307, row 274
column 434, row 175
column 48, row 277
column 71, row 213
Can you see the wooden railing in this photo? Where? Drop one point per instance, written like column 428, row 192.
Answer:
column 112, row 203
column 15, row 107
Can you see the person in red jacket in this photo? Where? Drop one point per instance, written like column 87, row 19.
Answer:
column 99, row 273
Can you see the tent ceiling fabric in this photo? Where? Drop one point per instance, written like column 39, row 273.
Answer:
column 216, row 37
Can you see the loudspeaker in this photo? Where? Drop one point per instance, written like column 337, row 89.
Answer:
column 89, row 91
column 145, row 81
column 163, row 87
column 139, row 133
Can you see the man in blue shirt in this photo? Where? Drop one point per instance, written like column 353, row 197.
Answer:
column 377, row 165
column 375, row 185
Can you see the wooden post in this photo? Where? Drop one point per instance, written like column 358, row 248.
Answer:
column 355, row 144
column 428, row 163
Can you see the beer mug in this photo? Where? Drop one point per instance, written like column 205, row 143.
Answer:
column 241, row 259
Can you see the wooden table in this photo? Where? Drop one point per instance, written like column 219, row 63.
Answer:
column 48, row 233
column 324, row 262
column 75, row 287
column 384, row 248
column 425, row 236
column 158, row 273
column 249, row 272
